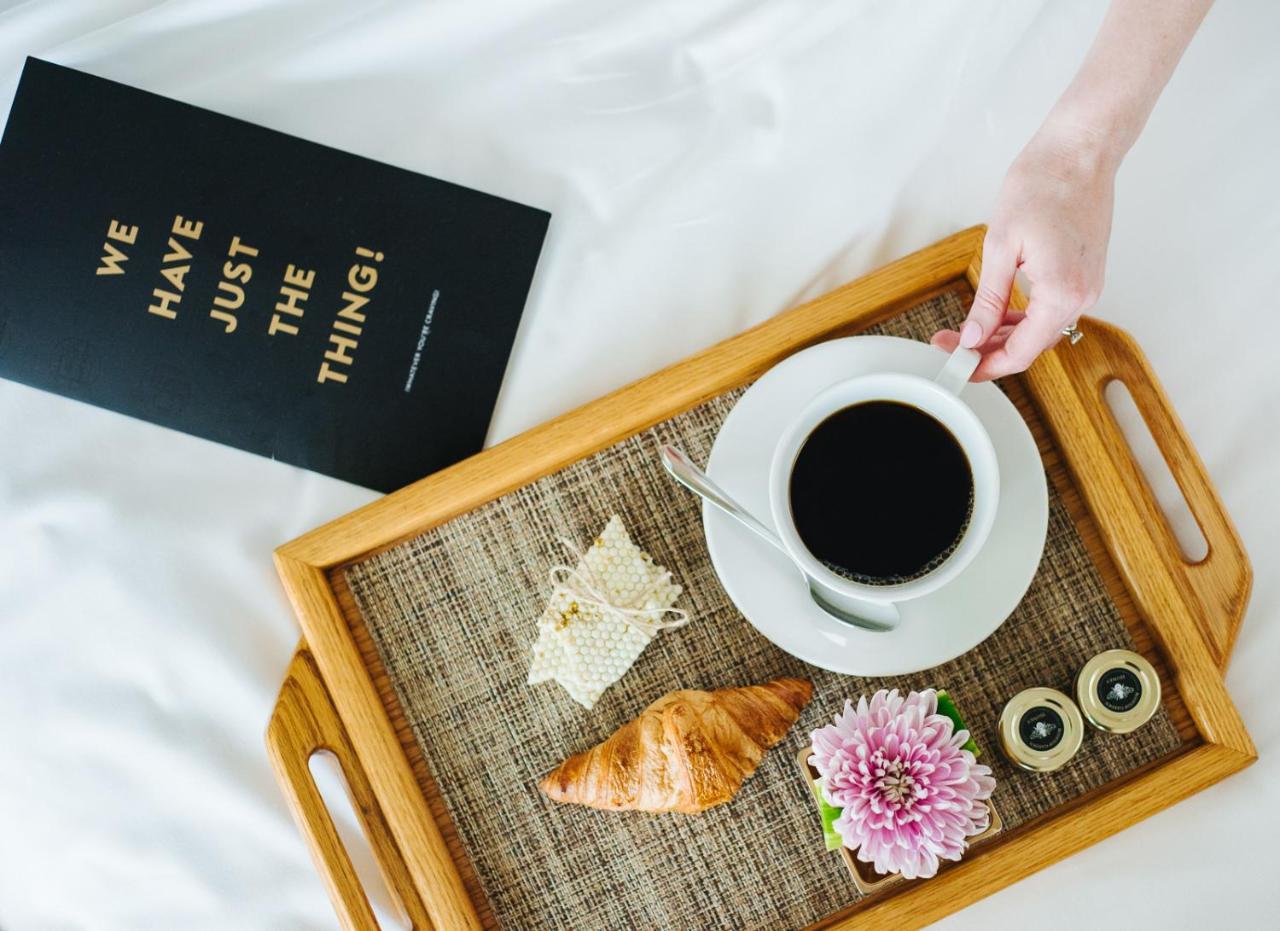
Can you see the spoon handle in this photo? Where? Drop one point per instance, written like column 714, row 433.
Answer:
column 690, row 476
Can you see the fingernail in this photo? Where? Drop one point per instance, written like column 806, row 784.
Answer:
column 970, row 334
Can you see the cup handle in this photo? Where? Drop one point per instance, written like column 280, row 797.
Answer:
column 958, row 369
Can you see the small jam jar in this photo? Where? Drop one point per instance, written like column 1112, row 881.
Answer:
column 1118, row 691
column 1040, row 729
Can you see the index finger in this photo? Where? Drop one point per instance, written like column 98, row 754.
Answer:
column 1035, row 333
column 991, row 297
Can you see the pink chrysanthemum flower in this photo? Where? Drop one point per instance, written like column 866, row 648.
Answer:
column 910, row 795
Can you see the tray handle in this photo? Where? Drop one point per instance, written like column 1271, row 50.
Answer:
column 303, row 722
column 1220, row 582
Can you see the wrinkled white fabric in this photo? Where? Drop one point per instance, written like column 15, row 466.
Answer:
column 707, row 165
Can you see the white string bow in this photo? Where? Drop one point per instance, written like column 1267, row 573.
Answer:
column 581, row 585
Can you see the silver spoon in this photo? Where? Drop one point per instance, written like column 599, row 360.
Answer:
column 690, row 476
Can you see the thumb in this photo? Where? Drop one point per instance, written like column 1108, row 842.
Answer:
column 991, row 300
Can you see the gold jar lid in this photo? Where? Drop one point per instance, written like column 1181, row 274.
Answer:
column 1040, row 729
column 1118, row 691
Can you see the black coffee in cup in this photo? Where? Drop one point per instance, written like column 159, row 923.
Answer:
column 881, row 492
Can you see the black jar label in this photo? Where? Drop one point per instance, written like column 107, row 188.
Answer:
column 1041, row 728
column 1119, row 689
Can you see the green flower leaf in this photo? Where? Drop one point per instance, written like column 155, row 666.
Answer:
column 947, row 707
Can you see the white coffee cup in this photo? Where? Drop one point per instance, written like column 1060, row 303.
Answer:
column 940, row 398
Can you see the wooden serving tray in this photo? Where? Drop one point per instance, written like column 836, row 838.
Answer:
column 1183, row 616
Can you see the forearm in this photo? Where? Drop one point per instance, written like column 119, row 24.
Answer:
column 1132, row 58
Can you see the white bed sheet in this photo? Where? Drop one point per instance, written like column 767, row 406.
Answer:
column 707, row 164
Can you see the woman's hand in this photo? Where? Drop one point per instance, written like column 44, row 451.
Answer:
column 1052, row 220
column 1053, row 216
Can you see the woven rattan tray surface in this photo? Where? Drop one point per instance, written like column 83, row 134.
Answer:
column 419, row 614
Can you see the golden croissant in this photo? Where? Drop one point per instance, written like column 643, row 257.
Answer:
column 686, row 752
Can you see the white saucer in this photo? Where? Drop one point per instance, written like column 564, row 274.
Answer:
column 770, row 591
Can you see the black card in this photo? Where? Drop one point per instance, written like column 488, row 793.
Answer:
column 249, row 287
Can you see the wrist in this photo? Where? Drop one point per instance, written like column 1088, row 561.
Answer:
column 1098, row 134
column 1092, row 143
